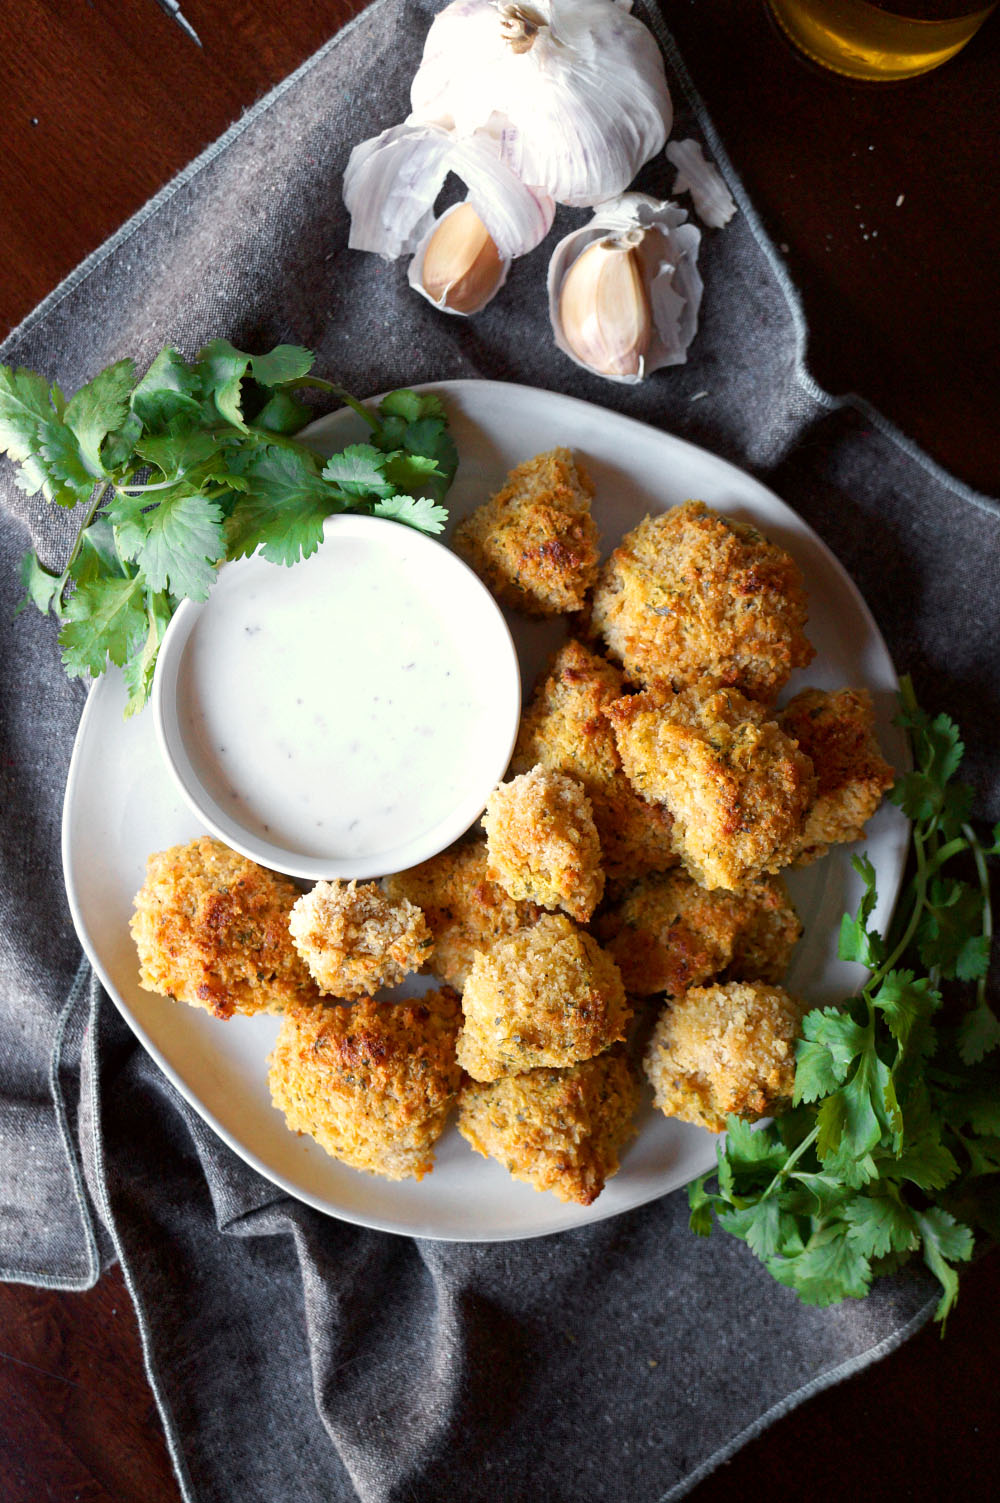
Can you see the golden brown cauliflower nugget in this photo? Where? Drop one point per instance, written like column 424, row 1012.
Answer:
column 211, row 929
column 563, row 728
column 667, row 933
column 690, row 594
column 559, row 1130
column 535, row 543
column 837, row 733
column 738, row 788
column 356, row 939
column 548, row 995
column 542, row 844
column 373, row 1083
column 725, row 1049
column 465, row 911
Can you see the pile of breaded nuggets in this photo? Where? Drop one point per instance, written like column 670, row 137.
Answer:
column 654, row 795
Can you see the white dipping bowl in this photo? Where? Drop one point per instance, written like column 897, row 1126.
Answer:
column 345, row 717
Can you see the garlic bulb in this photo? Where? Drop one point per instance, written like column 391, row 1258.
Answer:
column 391, row 183
column 574, row 89
column 713, row 202
column 624, row 291
column 457, row 265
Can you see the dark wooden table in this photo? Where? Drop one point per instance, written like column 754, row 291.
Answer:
column 883, row 202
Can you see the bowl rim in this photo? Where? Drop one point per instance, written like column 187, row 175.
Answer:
column 273, row 855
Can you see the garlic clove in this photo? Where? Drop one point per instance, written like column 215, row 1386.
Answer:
column 604, row 310
column 662, row 258
column 458, row 267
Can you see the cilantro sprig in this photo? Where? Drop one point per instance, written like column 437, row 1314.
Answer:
column 892, row 1146
column 196, row 463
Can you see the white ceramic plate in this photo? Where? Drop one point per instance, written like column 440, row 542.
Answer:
column 121, row 804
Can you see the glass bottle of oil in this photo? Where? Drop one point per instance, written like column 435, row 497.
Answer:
column 879, row 41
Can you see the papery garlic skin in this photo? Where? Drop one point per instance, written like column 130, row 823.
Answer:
column 457, row 266
column 575, row 90
column 392, row 181
column 713, row 202
column 663, row 253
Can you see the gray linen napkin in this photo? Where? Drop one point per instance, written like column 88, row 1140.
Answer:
column 290, row 1354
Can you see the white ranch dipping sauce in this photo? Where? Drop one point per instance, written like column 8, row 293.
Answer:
column 348, row 716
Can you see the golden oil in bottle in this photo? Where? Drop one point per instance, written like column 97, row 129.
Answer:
column 876, row 41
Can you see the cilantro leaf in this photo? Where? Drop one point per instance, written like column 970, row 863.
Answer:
column 359, row 470
column 949, row 936
column 760, row 1224
column 420, row 512
column 832, row 1041
column 176, row 542
column 945, row 1241
column 138, row 668
column 41, row 585
column 100, row 408
column 856, row 941
column 286, row 362
column 103, row 618
column 879, row 1224
column 282, row 413
column 283, row 512
column 169, row 391
column 830, row 1268
column 903, row 1001
column 408, row 405
column 222, row 368
column 979, row 1034
column 33, row 434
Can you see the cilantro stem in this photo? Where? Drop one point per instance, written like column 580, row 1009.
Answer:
column 984, row 887
column 919, row 901
column 792, row 1159
column 95, row 503
column 141, row 490
column 336, row 391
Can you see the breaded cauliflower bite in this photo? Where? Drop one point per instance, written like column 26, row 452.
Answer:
column 356, row 939
column 837, row 733
column 725, row 1049
column 738, row 788
column 563, row 728
column 690, row 594
column 211, row 929
column 548, row 995
column 559, row 1130
column 667, row 933
column 542, row 844
column 373, row 1083
column 465, row 911
column 535, row 543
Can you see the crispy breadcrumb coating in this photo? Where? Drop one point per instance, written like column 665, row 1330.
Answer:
column 373, row 1083
column 535, row 543
column 689, row 594
column 464, row 910
column 563, row 728
column 356, row 939
column 836, row 731
column 548, row 995
column 559, row 1130
column 667, row 933
column 738, row 788
column 725, row 1049
column 542, row 844
column 211, row 929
